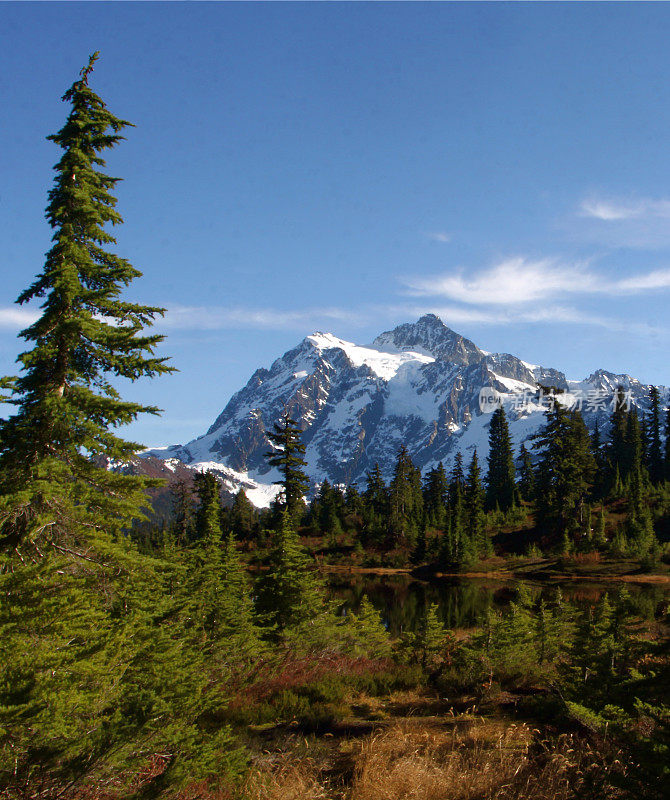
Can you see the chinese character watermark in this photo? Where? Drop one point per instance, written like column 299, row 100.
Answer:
column 590, row 400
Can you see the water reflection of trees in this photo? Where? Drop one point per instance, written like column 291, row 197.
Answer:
column 463, row 603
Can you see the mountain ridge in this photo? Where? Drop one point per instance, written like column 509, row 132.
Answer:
column 417, row 384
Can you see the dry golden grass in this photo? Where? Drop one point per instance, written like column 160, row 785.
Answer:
column 461, row 759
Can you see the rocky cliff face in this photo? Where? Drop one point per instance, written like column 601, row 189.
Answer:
column 416, row 385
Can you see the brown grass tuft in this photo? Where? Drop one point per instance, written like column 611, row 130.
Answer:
column 458, row 759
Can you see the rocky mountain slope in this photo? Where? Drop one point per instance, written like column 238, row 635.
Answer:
column 417, row 385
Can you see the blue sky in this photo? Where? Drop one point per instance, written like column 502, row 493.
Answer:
column 348, row 167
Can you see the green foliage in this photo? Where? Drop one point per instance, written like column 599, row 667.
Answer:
column 526, row 474
column 565, row 472
column 243, row 516
column 475, row 523
column 500, row 479
column 208, row 514
column 99, row 675
column 365, row 633
column 287, row 456
column 290, row 595
column 405, row 501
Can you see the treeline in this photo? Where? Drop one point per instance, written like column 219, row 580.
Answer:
column 570, row 492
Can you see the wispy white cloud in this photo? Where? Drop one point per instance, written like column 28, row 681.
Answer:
column 217, row 317
column 15, row 318
column 513, row 281
column 517, row 281
column 609, row 210
column 457, row 315
column 659, row 279
column 439, row 236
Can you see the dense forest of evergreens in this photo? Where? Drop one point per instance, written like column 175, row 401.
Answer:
column 145, row 657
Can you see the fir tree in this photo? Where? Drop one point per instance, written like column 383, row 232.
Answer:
column 243, row 517
column 633, row 448
column 655, row 454
column 365, row 633
column 238, row 632
column 500, row 477
column 405, row 500
column 566, row 470
column 181, row 500
column 95, row 668
column 457, row 477
column 436, row 497
column 474, row 510
column 208, row 515
column 599, row 538
column 616, row 449
column 290, row 596
column 376, row 505
column 55, row 445
column 527, row 474
column 287, row 456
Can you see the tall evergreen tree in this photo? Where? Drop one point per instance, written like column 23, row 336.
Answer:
column 633, row 448
column 376, row 499
column 290, row 596
column 474, row 510
column 457, row 476
column 655, row 453
column 526, row 474
column 181, row 498
column 243, row 516
column 86, row 336
column 92, row 678
column 208, row 514
column 436, row 497
column 405, row 500
column 287, row 456
column 616, row 447
column 566, row 470
column 500, row 481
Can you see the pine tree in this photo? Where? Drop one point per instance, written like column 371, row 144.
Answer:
column 435, row 497
column 95, row 671
column 500, row 477
column 290, row 596
column 527, row 474
column 208, row 515
column 86, row 336
column 633, row 448
column 457, row 477
column 243, row 517
column 327, row 504
column 376, row 505
column 474, row 510
column 431, row 640
column 616, row 448
column 599, row 483
column 287, row 456
column 599, row 538
column 405, row 500
column 365, row 632
column 655, row 454
column 182, row 511
column 238, row 633
column 566, row 470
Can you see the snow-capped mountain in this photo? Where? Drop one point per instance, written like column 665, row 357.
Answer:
column 416, row 385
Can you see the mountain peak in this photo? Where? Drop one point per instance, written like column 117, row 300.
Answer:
column 431, row 336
